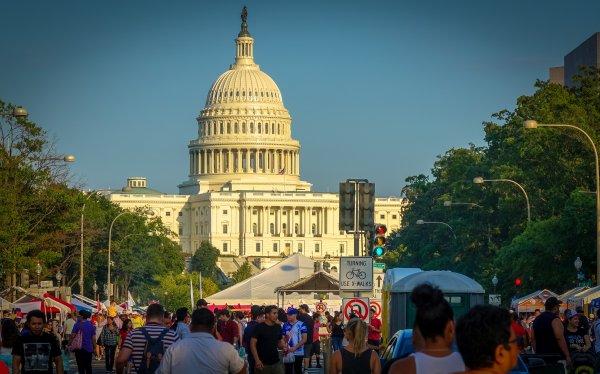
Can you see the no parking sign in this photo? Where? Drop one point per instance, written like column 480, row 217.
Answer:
column 376, row 304
column 321, row 307
column 356, row 305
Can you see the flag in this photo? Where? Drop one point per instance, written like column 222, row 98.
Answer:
column 281, row 171
column 130, row 301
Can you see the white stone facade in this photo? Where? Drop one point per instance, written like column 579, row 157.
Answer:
column 244, row 193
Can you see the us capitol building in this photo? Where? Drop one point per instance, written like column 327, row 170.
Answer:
column 244, row 193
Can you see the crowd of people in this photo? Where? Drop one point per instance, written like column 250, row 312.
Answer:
column 270, row 339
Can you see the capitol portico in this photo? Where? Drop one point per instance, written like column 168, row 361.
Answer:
column 244, row 193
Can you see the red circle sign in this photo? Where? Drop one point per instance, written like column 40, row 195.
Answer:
column 359, row 307
column 321, row 307
column 377, row 306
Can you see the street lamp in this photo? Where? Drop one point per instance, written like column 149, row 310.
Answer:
column 38, row 270
column 108, row 291
column 531, row 124
column 480, row 180
column 81, row 284
column 578, row 264
column 495, row 282
column 95, row 288
column 59, row 277
column 421, row 222
column 470, row 205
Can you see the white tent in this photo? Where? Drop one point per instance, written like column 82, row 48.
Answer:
column 260, row 288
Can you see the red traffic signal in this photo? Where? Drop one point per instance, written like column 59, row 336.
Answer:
column 380, row 230
column 517, row 282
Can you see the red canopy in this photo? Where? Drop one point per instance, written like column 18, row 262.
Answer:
column 60, row 301
column 240, row 307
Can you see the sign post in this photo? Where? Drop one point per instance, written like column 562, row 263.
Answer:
column 356, row 274
column 495, row 299
column 357, row 306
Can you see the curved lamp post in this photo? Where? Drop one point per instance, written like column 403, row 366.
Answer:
column 531, row 124
column 470, row 205
column 81, row 239
column 421, row 222
column 480, row 180
column 108, row 290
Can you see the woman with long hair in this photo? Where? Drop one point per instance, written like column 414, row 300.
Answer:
column 109, row 337
column 125, row 330
column 434, row 326
column 9, row 335
column 356, row 357
column 337, row 332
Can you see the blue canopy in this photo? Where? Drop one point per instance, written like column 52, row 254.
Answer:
column 595, row 303
column 80, row 305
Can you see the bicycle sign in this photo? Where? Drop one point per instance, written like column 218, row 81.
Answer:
column 356, row 273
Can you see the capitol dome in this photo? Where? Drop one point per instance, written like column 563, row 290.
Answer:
column 244, row 132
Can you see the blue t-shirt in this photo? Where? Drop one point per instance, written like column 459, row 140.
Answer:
column 88, row 332
column 293, row 335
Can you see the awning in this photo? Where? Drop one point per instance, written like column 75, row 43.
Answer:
column 61, row 303
column 533, row 301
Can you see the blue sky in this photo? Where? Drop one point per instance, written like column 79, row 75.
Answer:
column 376, row 89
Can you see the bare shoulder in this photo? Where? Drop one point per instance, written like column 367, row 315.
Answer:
column 403, row 366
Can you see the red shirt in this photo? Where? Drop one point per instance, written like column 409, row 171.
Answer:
column 229, row 331
column 376, row 323
column 519, row 332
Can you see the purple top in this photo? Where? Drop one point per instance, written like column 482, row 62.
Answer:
column 88, row 332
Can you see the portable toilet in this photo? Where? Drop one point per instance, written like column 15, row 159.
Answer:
column 391, row 277
column 461, row 292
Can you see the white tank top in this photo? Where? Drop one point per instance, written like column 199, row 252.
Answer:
column 426, row 364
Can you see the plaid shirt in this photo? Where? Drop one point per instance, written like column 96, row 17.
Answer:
column 109, row 338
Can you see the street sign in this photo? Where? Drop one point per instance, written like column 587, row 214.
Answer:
column 377, row 305
column 356, row 273
column 377, row 285
column 46, row 284
column 320, row 307
column 356, row 305
column 379, row 265
column 495, row 299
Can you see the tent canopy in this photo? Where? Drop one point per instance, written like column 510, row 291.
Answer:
column 532, row 301
column 316, row 282
column 260, row 288
column 584, row 297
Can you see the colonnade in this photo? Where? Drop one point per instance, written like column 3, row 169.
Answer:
column 244, row 160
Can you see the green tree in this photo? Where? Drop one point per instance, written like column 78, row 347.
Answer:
column 204, row 260
column 244, row 272
column 173, row 290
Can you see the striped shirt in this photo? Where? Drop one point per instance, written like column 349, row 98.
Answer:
column 136, row 341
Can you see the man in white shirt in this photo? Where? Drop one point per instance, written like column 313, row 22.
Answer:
column 200, row 352
column 69, row 323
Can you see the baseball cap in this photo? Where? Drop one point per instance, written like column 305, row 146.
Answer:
column 552, row 302
column 292, row 311
column 305, row 307
column 570, row 313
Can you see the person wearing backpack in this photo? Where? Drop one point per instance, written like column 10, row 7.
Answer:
column 146, row 345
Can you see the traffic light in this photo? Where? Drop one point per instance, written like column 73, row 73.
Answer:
column 379, row 241
column 366, row 206
column 517, row 283
column 347, row 206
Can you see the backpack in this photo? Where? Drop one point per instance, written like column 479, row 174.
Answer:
column 153, row 352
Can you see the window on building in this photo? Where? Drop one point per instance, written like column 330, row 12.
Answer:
column 225, row 247
column 251, row 128
column 224, row 229
column 180, row 230
column 314, row 228
column 196, row 229
column 254, row 228
column 382, row 216
column 225, row 211
column 272, row 228
column 284, row 228
column 274, row 247
column 314, row 212
column 296, row 228
column 297, row 212
column 257, row 247
column 272, row 212
column 342, row 247
column 254, row 212
column 168, row 214
column 317, row 247
column 299, row 247
column 394, row 216
column 284, row 213
column 180, row 214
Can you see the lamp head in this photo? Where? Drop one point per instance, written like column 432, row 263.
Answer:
column 69, row 158
column 478, row 180
column 447, row 203
column 495, row 280
column 420, row 222
column 530, row 124
column 19, row 112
